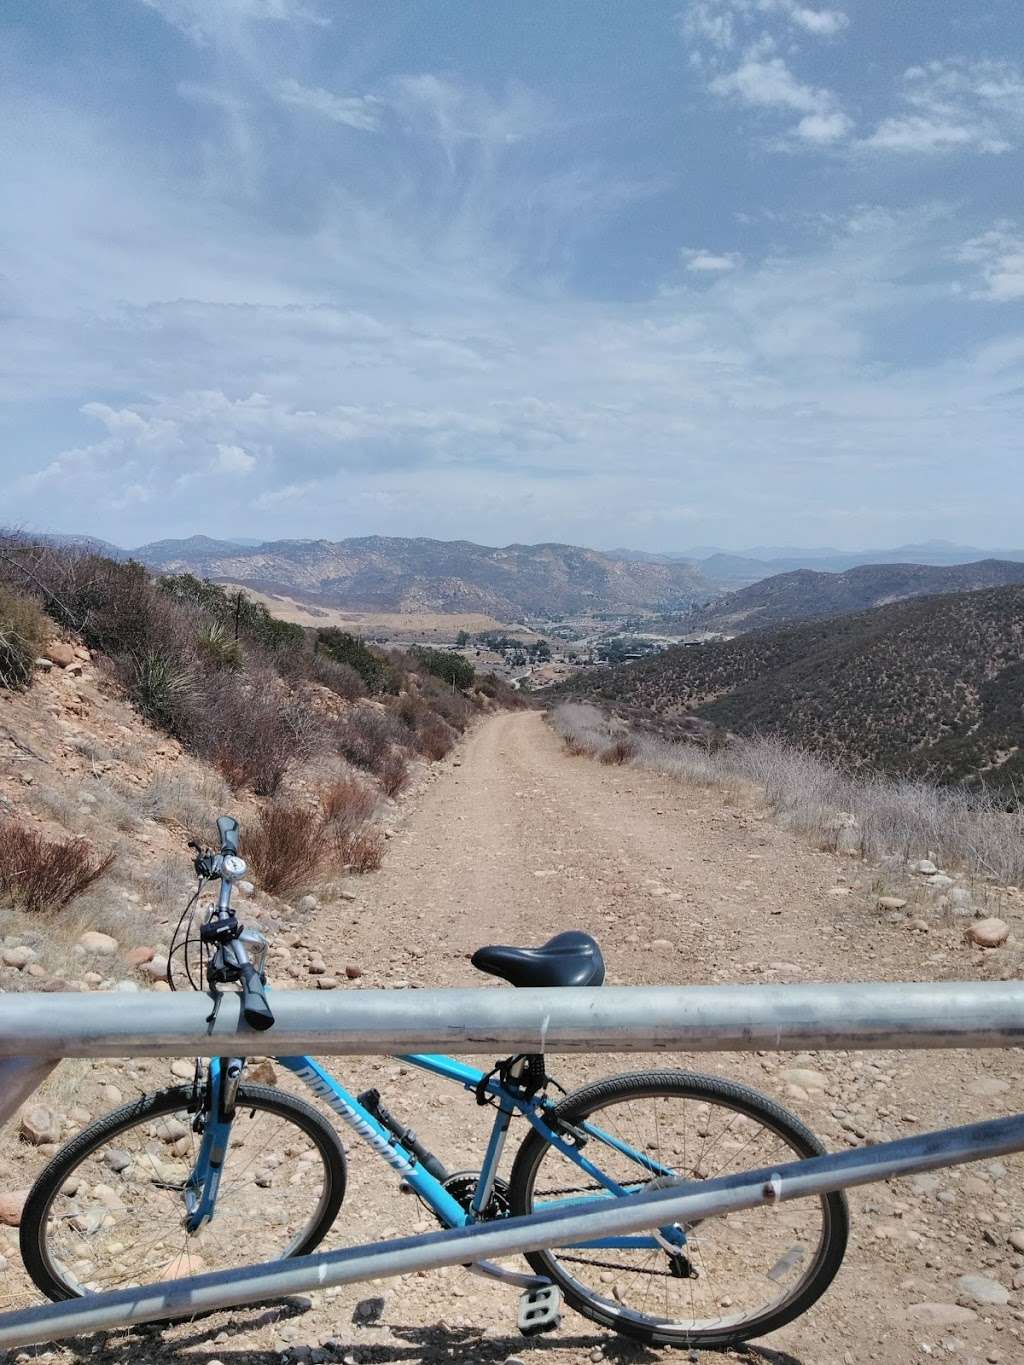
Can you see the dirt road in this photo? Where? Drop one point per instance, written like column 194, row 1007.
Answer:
column 512, row 840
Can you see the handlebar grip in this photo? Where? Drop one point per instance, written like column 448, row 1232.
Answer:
column 229, row 830
column 255, row 1010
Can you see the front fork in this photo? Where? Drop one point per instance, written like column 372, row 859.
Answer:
column 218, row 1112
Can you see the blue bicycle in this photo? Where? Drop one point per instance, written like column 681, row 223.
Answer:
column 223, row 1172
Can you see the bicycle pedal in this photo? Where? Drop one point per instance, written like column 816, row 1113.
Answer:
column 540, row 1310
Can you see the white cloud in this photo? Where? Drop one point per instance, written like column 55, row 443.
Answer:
column 718, row 22
column 1000, row 255
column 711, row 262
column 955, row 105
column 823, row 23
column 766, row 82
column 216, row 21
column 233, row 460
column 357, row 111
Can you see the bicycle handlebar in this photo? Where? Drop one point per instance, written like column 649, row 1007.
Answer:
column 255, row 1010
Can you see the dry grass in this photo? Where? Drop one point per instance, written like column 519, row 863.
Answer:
column 43, row 874
column 364, row 852
column 968, row 828
column 620, row 750
column 182, row 799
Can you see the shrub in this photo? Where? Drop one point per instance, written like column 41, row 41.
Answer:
column 161, row 687
column 43, row 874
column 364, row 852
column 342, row 679
column 218, row 649
column 620, row 750
column 345, row 648
column 286, row 849
column 452, row 668
column 394, row 773
column 347, row 804
column 435, row 738
column 365, row 736
column 23, row 631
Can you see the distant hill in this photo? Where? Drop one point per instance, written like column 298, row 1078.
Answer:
column 932, row 686
column 805, row 594
column 733, row 569
column 390, row 574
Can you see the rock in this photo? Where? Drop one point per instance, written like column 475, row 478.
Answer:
column 112, row 1095
column 926, row 867
column 344, row 895
column 307, row 904
column 184, row 1070
column 988, row 1087
column 170, row 1129
column 39, row 1125
column 137, row 956
column 155, row 969
column 1016, row 1240
column 57, row 983
column 11, row 1204
column 61, row 653
column 941, row 1314
column 805, row 1078
column 353, row 972
column 101, row 944
column 917, row 925
column 247, row 888
column 317, row 966
column 368, row 1310
column 18, row 957
column 940, row 882
column 327, row 983
column 661, row 945
column 116, row 1159
column 891, row 903
column 43, row 664
column 980, row 1289
column 988, row 933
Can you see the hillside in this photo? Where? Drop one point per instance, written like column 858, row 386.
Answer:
column 806, row 594
column 390, row 573
column 930, row 686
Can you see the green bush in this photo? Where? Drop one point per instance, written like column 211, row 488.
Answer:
column 23, row 631
column 452, row 668
column 345, row 648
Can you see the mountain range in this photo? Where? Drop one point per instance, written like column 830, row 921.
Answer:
column 806, row 594
column 732, row 569
column 927, row 687
column 391, row 573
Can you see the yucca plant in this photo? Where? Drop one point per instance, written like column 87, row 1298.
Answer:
column 160, row 687
column 218, row 649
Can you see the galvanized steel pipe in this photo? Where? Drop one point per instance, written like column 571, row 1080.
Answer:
column 504, row 1237
column 490, row 1021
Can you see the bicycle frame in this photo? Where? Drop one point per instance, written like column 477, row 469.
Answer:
column 201, row 1188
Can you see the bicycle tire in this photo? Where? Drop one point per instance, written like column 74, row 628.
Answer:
column 640, row 1086
column 33, row 1234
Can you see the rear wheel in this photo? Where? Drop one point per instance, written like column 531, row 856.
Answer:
column 108, row 1211
column 734, row 1277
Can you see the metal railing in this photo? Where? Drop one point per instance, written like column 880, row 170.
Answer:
column 36, row 1031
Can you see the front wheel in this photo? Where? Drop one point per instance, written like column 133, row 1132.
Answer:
column 713, row 1283
column 108, row 1212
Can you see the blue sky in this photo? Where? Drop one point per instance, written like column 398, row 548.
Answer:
column 720, row 272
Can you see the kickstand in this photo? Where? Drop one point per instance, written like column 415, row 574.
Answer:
column 211, row 1018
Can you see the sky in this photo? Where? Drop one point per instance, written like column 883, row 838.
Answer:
column 606, row 272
